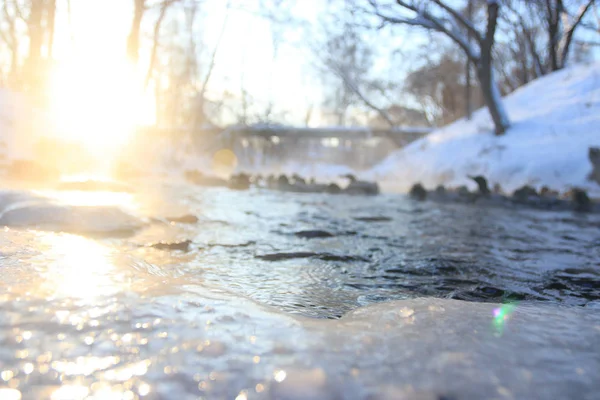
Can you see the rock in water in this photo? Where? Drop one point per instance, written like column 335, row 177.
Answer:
column 594, row 156
column 524, row 193
column 581, row 200
column 418, row 192
column 181, row 246
column 313, row 234
column 360, row 187
column 184, row 219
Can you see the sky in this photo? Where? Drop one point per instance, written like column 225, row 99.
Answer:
column 273, row 71
column 278, row 71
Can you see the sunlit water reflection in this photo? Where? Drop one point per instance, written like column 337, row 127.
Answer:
column 110, row 316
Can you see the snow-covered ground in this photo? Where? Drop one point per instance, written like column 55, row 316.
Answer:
column 555, row 120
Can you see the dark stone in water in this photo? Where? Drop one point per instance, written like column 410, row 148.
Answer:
column 373, row 219
column 314, row 234
column 333, row 188
column 524, row 193
column 418, row 192
column 181, row 246
column 309, row 254
column 594, row 156
column 245, row 244
column 184, row 219
column 581, row 200
column 239, row 181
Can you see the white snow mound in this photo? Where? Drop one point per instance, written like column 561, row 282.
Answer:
column 555, row 119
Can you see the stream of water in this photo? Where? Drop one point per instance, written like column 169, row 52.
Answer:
column 283, row 295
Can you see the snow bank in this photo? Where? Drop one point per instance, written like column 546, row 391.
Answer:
column 555, row 120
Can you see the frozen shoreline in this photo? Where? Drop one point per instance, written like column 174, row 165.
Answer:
column 555, row 121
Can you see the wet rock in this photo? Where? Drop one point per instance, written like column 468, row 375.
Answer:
column 360, row 187
column 180, row 246
column 524, row 193
column 92, row 221
column 440, row 190
column 594, row 156
column 545, row 191
column 463, row 191
column 333, row 188
column 298, row 179
column 372, row 219
column 418, row 192
column 581, row 200
column 313, row 234
column 245, row 244
column 184, row 219
column 308, row 254
column 198, row 178
column 239, row 181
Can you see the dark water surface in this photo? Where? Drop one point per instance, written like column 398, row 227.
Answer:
column 246, row 311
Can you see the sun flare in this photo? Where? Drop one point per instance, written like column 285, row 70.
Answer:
column 98, row 104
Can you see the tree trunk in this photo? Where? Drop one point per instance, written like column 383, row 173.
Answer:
column 161, row 16
column 34, row 25
column 493, row 100
column 553, row 16
column 133, row 40
column 51, row 10
column 485, row 74
column 568, row 36
column 36, row 34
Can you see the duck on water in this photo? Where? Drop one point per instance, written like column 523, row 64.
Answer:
column 574, row 200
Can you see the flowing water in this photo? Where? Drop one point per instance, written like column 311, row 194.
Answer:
column 282, row 295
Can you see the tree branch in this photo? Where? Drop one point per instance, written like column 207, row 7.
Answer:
column 568, row 38
column 492, row 23
column 161, row 16
column 461, row 19
column 428, row 21
column 339, row 72
column 213, row 57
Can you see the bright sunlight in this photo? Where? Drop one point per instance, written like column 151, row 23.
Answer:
column 98, row 103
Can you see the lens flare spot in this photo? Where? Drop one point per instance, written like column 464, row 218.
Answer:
column 501, row 316
column 279, row 375
column 224, row 162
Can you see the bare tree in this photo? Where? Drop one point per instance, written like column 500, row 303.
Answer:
column 439, row 16
column 164, row 6
column 133, row 40
column 50, row 17
column 561, row 30
column 29, row 22
column 346, row 57
column 10, row 13
column 542, row 32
